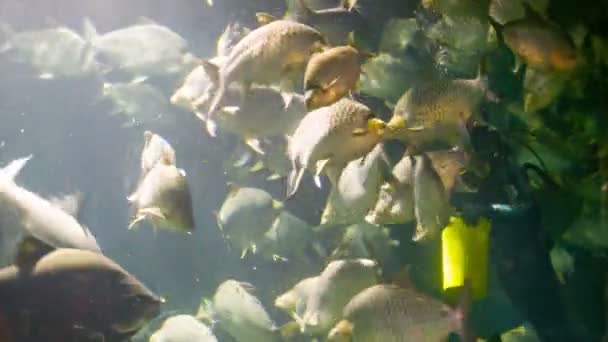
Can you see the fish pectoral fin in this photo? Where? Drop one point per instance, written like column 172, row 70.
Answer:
column 46, row 76
column 357, row 132
column 293, row 181
column 154, row 212
column 419, row 234
column 273, row 177
column 287, row 98
column 258, row 166
column 211, row 127
column 321, row 166
column 518, row 64
column 415, row 128
column 255, row 145
column 332, row 83
column 232, row 110
column 277, row 258
column 299, row 321
column 132, row 197
column 135, row 221
column 289, row 330
column 277, row 205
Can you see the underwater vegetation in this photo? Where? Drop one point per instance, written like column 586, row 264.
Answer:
column 304, row 170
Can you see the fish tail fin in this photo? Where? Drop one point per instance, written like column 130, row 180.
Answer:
column 351, row 5
column 264, row 18
column 211, row 127
column 136, row 221
column 13, row 168
column 304, row 9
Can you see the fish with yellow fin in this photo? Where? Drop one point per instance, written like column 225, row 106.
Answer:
column 266, row 55
column 538, row 42
column 329, row 137
column 356, row 191
column 437, row 111
column 387, row 312
column 335, row 286
column 332, row 74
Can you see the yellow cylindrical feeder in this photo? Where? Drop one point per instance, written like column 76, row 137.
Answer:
column 465, row 255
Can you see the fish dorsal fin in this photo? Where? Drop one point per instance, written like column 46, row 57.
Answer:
column 232, row 189
column 306, row 10
column 212, row 70
column 402, row 278
column 88, row 29
column 29, row 251
column 69, row 203
column 13, row 168
column 531, row 13
column 351, row 39
column 264, row 18
column 248, row 287
column 147, row 138
column 143, row 20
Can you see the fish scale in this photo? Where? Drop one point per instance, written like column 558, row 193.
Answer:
column 438, row 102
column 392, row 313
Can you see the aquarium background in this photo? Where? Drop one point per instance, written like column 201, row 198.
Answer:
column 77, row 146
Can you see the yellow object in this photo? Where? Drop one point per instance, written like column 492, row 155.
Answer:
column 465, row 255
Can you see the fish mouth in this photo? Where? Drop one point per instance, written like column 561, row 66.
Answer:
column 376, row 126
